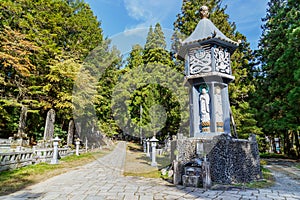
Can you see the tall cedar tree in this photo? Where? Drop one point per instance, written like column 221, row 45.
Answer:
column 149, row 96
column 53, row 37
column 240, row 89
column 278, row 85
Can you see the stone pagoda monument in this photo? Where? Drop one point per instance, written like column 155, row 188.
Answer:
column 206, row 53
column 207, row 68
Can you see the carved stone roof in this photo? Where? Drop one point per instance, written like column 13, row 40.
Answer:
column 207, row 33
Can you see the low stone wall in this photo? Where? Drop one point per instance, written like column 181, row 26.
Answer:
column 13, row 160
column 231, row 160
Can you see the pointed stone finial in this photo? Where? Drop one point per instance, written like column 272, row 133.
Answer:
column 204, row 12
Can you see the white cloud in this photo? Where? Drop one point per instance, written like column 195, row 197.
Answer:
column 138, row 9
column 149, row 11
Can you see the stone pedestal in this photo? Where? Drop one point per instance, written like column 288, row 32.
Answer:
column 231, row 160
column 191, row 181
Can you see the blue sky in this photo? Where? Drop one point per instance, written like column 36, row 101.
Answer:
column 126, row 22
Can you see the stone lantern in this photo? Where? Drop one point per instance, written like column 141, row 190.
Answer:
column 207, row 70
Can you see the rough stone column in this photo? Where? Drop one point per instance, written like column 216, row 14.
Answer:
column 70, row 133
column 22, row 122
column 49, row 126
column 78, row 129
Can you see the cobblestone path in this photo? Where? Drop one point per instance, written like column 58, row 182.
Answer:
column 103, row 179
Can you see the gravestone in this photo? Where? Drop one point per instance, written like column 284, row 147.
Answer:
column 22, row 122
column 49, row 126
column 70, row 133
column 77, row 130
column 20, row 139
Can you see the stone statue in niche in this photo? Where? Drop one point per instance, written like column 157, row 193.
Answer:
column 204, row 110
column 219, row 109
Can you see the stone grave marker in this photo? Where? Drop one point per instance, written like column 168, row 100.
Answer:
column 49, row 126
column 22, row 122
column 70, row 133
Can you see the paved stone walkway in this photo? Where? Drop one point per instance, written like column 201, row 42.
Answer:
column 286, row 175
column 103, row 179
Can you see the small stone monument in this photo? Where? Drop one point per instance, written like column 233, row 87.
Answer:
column 144, row 145
column 148, row 147
column 55, row 150
column 21, row 136
column 77, row 143
column 49, row 126
column 153, row 155
column 22, row 122
column 78, row 130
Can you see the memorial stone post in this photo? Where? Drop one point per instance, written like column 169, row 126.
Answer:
column 153, row 145
column 77, row 146
column 148, row 147
column 55, row 150
column 70, row 133
column 49, row 126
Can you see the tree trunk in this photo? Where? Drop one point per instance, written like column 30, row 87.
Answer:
column 286, row 145
column 296, row 135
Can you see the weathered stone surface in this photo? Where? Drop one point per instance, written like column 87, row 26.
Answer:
column 22, row 122
column 231, row 160
column 49, row 126
column 71, row 132
column 235, row 161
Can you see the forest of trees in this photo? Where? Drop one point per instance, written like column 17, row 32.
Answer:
column 44, row 45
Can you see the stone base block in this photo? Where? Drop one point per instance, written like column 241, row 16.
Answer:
column 191, row 181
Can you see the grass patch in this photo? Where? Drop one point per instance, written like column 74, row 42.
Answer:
column 138, row 164
column 14, row 180
column 151, row 174
column 134, row 146
column 272, row 155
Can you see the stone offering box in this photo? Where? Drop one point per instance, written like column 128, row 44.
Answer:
column 192, row 173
